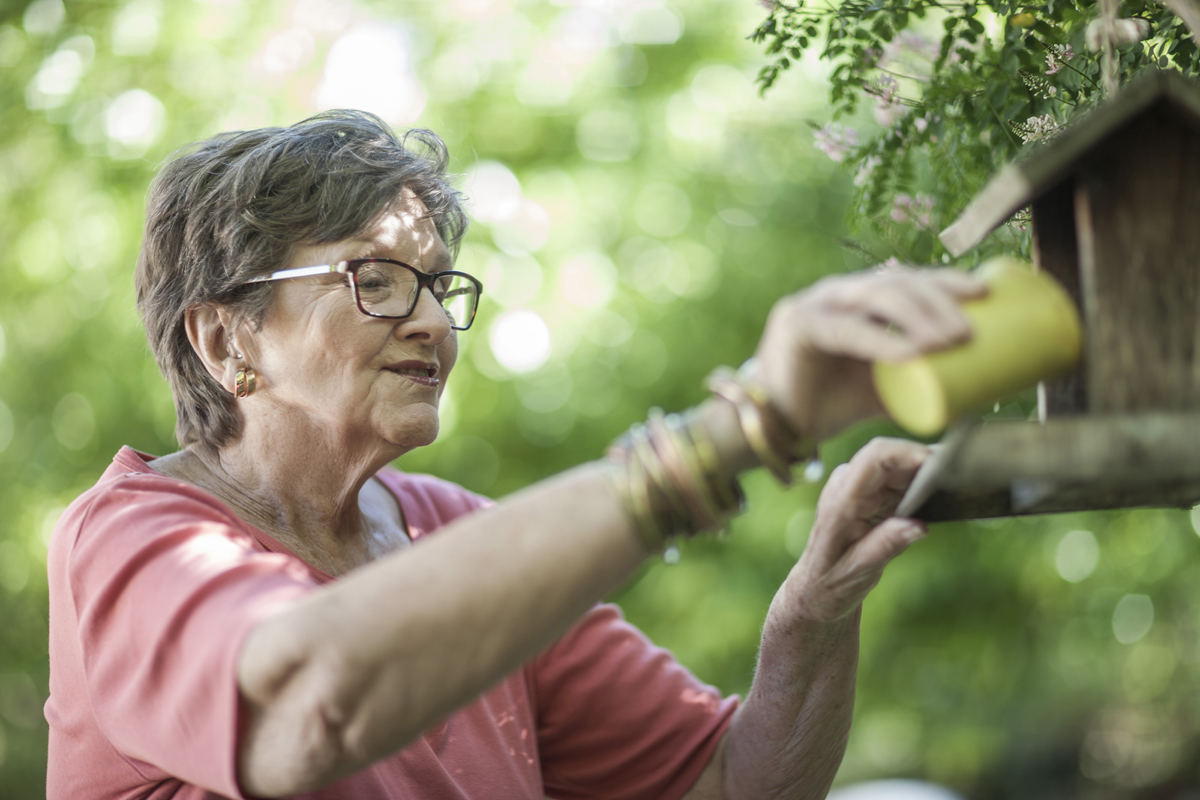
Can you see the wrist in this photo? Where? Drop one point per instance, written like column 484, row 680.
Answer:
column 792, row 622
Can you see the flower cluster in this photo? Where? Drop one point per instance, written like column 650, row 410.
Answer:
column 1036, row 129
column 908, row 43
column 1057, row 56
column 888, row 107
column 835, row 141
column 1038, row 85
column 917, row 209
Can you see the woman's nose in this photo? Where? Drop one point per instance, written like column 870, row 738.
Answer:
column 428, row 320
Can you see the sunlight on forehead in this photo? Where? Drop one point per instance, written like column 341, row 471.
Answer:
column 406, row 233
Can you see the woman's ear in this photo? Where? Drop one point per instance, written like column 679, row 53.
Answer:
column 212, row 332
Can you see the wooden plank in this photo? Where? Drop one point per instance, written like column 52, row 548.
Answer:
column 1066, row 464
column 1055, row 250
column 1138, row 219
column 1022, row 182
column 954, row 505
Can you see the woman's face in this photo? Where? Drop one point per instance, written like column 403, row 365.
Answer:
column 356, row 378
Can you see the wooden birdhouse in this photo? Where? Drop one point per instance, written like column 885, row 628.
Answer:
column 1115, row 206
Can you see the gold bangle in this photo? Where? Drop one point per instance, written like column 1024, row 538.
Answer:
column 689, row 485
column 648, row 458
column 725, row 385
column 665, row 484
column 635, row 499
column 728, row 492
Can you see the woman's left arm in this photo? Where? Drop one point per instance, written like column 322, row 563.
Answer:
column 788, row 738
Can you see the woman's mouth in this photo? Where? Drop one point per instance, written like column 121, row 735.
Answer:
column 423, row 374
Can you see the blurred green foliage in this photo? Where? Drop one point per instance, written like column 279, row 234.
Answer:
column 639, row 210
column 956, row 90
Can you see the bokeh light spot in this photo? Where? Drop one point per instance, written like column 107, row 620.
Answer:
column 493, row 192
column 135, row 120
column 1077, row 555
column 512, row 282
column 288, row 51
column 651, row 23
column 587, row 280
column 520, row 340
column 1132, row 618
column 719, row 88
column 370, row 68
column 545, row 84
column 135, row 28
column 44, row 17
column 60, row 73
column 525, row 232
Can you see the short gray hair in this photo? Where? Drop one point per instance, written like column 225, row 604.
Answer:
column 238, row 205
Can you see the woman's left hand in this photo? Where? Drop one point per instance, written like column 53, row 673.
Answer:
column 854, row 535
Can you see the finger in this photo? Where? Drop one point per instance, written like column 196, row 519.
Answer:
column 884, row 542
column 862, row 339
column 963, row 285
column 945, row 308
column 875, row 480
column 935, row 294
column 911, row 307
column 885, row 462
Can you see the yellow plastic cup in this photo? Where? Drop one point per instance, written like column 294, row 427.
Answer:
column 1027, row 329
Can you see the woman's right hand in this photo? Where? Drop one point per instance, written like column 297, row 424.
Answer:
column 814, row 359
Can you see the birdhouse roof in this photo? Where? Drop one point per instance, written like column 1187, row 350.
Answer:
column 1022, row 182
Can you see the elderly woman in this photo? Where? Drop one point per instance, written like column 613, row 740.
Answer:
column 275, row 611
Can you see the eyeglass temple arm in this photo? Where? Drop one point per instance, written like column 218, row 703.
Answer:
column 300, row 272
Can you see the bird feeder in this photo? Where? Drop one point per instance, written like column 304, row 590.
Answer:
column 1115, row 209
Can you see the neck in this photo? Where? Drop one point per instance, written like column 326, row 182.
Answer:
column 301, row 489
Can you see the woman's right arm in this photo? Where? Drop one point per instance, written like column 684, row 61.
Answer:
column 360, row 668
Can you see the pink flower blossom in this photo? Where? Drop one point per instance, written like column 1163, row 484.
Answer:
column 917, row 209
column 1057, row 56
column 864, row 171
column 888, row 108
column 835, row 141
column 908, row 43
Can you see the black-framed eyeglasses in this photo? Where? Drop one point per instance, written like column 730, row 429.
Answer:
column 390, row 289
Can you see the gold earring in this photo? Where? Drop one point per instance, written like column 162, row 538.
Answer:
column 244, row 382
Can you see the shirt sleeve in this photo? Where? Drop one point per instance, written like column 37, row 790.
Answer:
column 166, row 586
column 619, row 718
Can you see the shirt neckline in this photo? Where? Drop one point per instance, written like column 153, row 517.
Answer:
column 138, row 462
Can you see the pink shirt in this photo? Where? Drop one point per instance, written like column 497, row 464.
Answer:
column 154, row 584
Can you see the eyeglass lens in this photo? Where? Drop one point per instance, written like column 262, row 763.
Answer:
column 391, row 290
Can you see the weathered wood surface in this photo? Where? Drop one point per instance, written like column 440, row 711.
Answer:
column 1055, row 250
column 1137, row 212
column 1067, row 464
column 1020, row 183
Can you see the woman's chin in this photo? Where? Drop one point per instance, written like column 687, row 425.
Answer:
column 413, row 430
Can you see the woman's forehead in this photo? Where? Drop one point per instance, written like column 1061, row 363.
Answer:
column 403, row 231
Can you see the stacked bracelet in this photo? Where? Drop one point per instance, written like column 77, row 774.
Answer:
column 666, row 473
column 772, row 440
